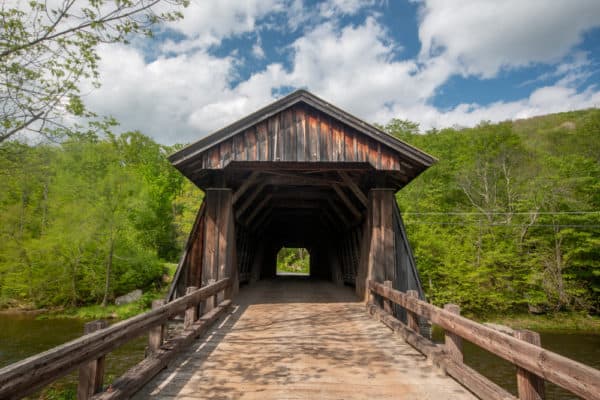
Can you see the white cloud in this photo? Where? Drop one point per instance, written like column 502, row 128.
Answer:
column 545, row 100
column 331, row 8
column 482, row 37
column 183, row 98
column 159, row 98
column 207, row 22
column 258, row 51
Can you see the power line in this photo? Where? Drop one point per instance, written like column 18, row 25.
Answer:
column 500, row 224
column 503, row 213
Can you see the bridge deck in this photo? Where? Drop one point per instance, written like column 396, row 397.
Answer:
column 295, row 339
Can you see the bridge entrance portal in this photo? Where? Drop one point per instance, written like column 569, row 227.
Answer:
column 299, row 173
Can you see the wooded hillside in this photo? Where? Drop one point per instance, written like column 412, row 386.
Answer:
column 89, row 219
column 509, row 218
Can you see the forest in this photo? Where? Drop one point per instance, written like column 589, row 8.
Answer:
column 507, row 220
column 89, row 219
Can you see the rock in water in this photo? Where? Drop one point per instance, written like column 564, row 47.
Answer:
column 129, row 297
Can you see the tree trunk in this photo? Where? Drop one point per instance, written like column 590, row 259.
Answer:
column 109, row 262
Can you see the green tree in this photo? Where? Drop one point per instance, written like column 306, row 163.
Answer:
column 47, row 48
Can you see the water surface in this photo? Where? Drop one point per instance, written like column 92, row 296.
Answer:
column 582, row 347
column 22, row 335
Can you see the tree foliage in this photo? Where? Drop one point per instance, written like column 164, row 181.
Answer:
column 87, row 220
column 509, row 218
column 296, row 260
column 48, row 47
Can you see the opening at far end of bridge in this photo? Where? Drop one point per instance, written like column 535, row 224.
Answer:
column 293, row 261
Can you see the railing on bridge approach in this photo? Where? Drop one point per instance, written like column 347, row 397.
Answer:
column 534, row 364
column 87, row 352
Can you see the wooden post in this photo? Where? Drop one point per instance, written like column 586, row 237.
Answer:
column 412, row 319
column 530, row 386
column 387, row 304
column 378, row 254
column 156, row 333
column 91, row 374
column 191, row 313
column 219, row 257
column 452, row 342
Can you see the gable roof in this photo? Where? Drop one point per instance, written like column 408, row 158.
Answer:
column 409, row 153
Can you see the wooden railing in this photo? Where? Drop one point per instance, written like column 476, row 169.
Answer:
column 87, row 352
column 534, row 364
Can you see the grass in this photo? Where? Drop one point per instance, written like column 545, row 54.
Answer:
column 562, row 321
column 113, row 311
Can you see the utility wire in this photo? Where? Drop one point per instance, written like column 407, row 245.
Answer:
column 504, row 213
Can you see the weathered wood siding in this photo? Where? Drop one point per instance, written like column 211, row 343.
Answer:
column 300, row 134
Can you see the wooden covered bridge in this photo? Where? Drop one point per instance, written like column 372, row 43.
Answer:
column 299, row 173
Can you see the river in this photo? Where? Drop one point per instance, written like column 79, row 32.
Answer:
column 24, row 335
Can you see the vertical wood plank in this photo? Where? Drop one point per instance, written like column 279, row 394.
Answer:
column 452, row 342
column 348, row 146
column 91, row 374
column 301, row 145
column 156, row 333
column 215, row 158
column 290, row 137
column 263, row 142
column 314, row 139
column 529, row 385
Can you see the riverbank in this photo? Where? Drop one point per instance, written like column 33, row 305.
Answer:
column 111, row 311
column 555, row 322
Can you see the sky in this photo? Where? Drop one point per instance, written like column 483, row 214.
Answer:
column 436, row 62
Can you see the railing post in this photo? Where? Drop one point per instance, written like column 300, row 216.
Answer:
column 530, row 386
column 453, row 342
column 156, row 333
column 371, row 295
column 91, row 374
column 209, row 303
column 387, row 304
column 191, row 313
column 412, row 319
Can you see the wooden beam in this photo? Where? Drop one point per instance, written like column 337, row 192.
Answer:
column 247, row 183
column 268, row 212
column 354, row 188
column 347, row 201
column 298, row 203
column 240, row 211
column 331, row 225
column 258, row 208
column 482, row 387
column 578, row 378
column 28, row 375
column 136, row 377
column 338, row 213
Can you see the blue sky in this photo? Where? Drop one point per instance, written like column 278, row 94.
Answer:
column 437, row 62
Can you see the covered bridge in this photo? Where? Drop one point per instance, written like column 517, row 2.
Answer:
column 299, row 173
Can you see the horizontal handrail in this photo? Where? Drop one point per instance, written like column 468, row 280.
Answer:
column 28, row 375
column 576, row 377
